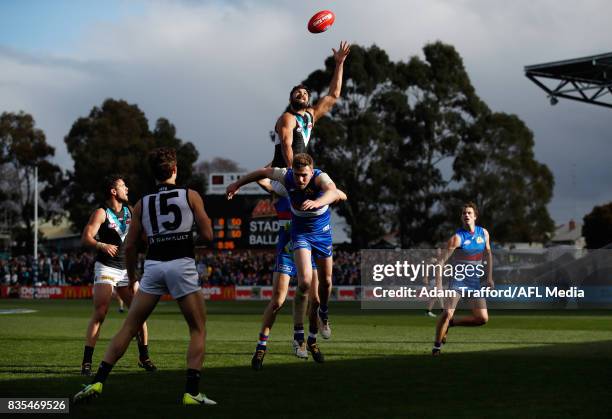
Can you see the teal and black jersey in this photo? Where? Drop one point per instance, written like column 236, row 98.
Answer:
column 113, row 231
column 301, row 138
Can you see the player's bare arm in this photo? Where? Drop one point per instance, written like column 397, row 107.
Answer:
column 88, row 238
column 266, row 172
column 132, row 243
column 325, row 104
column 489, row 255
column 341, row 196
column 285, row 126
column 201, row 218
column 266, row 185
column 453, row 243
column 330, row 194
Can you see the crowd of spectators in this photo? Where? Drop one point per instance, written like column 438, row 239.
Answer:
column 244, row 267
column 256, row 268
column 50, row 269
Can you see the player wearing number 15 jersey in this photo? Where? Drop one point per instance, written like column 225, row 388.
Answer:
column 166, row 217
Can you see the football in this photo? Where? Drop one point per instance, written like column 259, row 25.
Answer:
column 321, row 21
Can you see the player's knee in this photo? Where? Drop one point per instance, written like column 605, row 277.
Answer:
column 482, row 319
column 447, row 314
column 276, row 304
column 304, row 287
column 100, row 312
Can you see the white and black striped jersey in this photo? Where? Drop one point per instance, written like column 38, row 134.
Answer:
column 167, row 219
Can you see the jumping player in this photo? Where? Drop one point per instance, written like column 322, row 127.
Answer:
column 110, row 222
column 311, row 191
column 166, row 217
column 292, row 132
column 294, row 127
column 283, row 271
column 473, row 247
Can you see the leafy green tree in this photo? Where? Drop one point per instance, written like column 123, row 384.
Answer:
column 347, row 143
column 500, row 173
column 400, row 144
column 23, row 147
column 115, row 138
column 597, row 227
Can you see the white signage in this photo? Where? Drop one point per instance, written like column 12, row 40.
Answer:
column 218, row 182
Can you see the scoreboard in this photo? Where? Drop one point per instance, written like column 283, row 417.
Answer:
column 227, row 232
column 246, row 221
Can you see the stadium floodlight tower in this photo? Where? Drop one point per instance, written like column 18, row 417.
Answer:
column 587, row 79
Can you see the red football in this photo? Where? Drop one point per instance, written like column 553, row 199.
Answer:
column 321, row 21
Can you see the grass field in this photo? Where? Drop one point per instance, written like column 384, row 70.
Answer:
column 522, row 364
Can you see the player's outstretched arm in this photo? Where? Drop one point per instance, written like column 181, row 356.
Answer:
column 131, row 243
column 325, row 104
column 201, row 218
column 88, row 238
column 266, row 172
column 341, row 196
column 266, row 185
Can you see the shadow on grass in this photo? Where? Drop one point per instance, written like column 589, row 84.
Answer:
column 505, row 383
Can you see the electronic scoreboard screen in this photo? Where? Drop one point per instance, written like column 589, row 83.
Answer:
column 247, row 221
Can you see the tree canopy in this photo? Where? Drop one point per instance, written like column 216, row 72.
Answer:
column 23, row 147
column 597, row 227
column 115, row 138
column 409, row 141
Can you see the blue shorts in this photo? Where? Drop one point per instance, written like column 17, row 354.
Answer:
column 468, row 283
column 286, row 265
column 320, row 244
column 284, row 255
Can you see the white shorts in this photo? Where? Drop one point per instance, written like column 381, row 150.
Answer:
column 106, row 275
column 177, row 277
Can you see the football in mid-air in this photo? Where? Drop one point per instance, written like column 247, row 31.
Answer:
column 321, row 21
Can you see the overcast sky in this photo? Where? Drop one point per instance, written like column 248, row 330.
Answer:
column 221, row 70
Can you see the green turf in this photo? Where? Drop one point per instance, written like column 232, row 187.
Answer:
column 522, row 364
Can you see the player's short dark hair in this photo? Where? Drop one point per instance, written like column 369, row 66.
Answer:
column 298, row 87
column 302, row 160
column 162, row 161
column 110, row 182
column 472, row 205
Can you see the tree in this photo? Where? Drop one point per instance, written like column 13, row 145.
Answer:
column 500, row 173
column 349, row 140
column 115, row 138
column 597, row 227
column 23, row 147
column 403, row 133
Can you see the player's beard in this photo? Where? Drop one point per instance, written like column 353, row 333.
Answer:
column 298, row 106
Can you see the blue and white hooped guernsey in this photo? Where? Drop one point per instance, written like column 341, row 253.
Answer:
column 312, row 221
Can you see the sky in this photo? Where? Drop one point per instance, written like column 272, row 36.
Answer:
column 221, row 71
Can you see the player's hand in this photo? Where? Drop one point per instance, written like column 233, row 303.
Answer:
column 109, row 249
column 342, row 52
column 231, row 190
column 310, row 205
column 133, row 279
